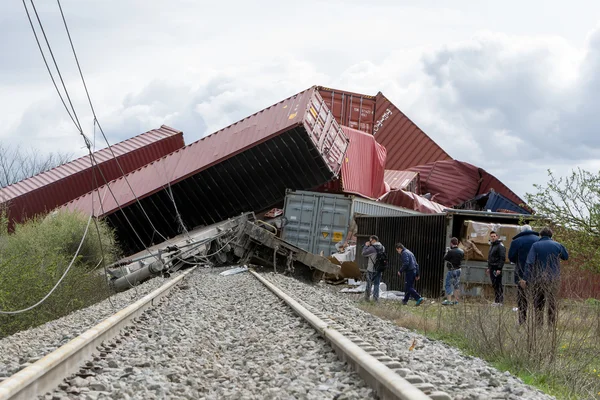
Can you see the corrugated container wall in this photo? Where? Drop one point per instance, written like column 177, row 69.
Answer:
column 364, row 165
column 244, row 167
column 43, row 192
column 315, row 221
column 424, row 235
column 407, row 145
column 363, row 168
column 376, row 208
column 353, row 110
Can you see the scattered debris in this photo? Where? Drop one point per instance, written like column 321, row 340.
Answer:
column 412, row 346
column 235, row 271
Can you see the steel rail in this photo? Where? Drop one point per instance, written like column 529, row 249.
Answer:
column 387, row 383
column 45, row 374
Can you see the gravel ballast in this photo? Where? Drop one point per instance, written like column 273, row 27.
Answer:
column 23, row 348
column 444, row 367
column 217, row 337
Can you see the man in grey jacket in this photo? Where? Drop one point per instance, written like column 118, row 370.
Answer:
column 373, row 277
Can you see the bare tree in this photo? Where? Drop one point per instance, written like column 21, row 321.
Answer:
column 17, row 164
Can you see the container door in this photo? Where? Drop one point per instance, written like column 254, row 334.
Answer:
column 424, row 235
column 300, row 211
column 332, row 223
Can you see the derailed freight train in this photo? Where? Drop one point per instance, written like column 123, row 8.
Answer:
column 247, row 166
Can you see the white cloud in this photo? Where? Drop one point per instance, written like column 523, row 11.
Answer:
column 512, row 100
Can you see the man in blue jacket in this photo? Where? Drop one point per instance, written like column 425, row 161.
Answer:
column 517, row 254
column 542, row 274
column 411, row 274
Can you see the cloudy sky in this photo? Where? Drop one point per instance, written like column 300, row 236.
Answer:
column 510, row 86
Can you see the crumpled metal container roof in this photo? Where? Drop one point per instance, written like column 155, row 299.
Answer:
column 453, row 182
column 404, row 180
column 412, row 201
column 45, row 191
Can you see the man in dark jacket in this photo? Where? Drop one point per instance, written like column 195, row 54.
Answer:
column 517, row 254
column 542, row 274
column 454, row 258
column 373, row 277
column 496, row 258
column 410, row 268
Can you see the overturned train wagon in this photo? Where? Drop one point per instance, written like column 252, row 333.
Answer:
column 245, row 167
column 428, row 237
column 239, row 240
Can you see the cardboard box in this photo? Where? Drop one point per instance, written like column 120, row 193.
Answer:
column 479, row 232
column 483, row 253
column 471, row 250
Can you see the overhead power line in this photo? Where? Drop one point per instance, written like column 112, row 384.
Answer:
column 98, row 123
column 48, row 67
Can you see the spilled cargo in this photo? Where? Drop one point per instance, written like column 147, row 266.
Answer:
column 247, row 166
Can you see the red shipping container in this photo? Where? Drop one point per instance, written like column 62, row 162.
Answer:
column 353, row 110
column 48, row 190
column 407, row 145
column 295, row 144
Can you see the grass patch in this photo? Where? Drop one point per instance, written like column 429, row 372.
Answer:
column 563, row 361
column 34, row 257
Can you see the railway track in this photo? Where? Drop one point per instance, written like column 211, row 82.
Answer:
column 241, row 336
column 213, row 337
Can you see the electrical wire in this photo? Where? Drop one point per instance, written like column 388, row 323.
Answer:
column 98, row 123
column 73, row 116
column 75, row 119
column 56, row 65
column 205, row 257
column 59, row 281
column 47, row 66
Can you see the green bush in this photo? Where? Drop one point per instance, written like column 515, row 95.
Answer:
column 34, row 257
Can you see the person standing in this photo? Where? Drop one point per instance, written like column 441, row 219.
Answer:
column 517, row 254
column 542, row 274
column 454, row 258
column 370, row 250
column 496, row 258
column 411, row 274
